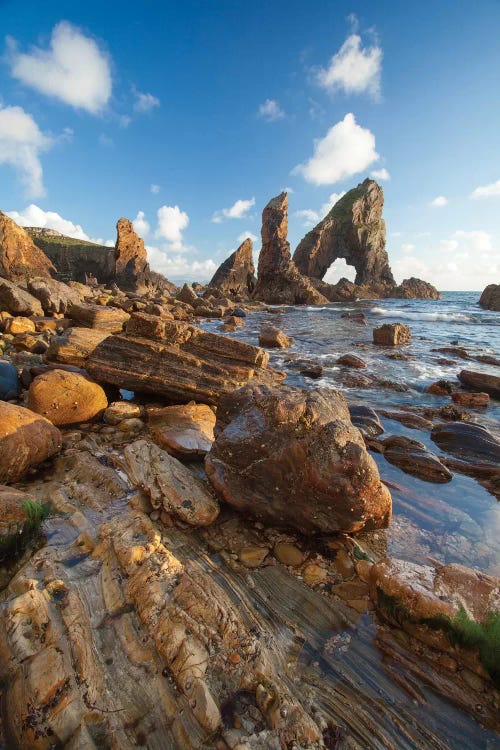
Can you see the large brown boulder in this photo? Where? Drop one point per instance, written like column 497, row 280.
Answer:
column 279, row 280
column 17, row 301
column 182, row 364
column 415, row 289
column 26, row 439
column 66, row 397
column 490, row 297
column 185, row 431
column 236, row 276
column 481, row 381
column 294, row 459
column 19, row 256
column 273, row 338
column 54, row 296
column 392, row 334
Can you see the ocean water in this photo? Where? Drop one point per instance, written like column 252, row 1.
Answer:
column 454, row 522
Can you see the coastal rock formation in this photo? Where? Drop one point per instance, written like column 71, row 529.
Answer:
column 354, row 230
column 74, row 346
column 480, row 381
column 271, row 337
column 19, row 256
column 490, row 297
column 236, row 276
column 74, row 259
column 26, row 439
column 100, row 317
column 392, row 334
column 54, row 296
column 66, row 397
column 279, row 280
column 415, row 289
column 469, row 442
column 412, row 457
column 17, row 301
column 184, row 431
column 131, row 257
column 293, row 458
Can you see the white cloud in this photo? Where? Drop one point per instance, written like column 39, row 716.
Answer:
column 247, row 235
column 144, row 102
column 21, row 142
column 311, row 217
column 407, row 247
column 448, row 246
column 171, row 223
column 477, row 240
column 271, row 111
column 73, row 69
column 487, row 191
column 141, row 226
column 339, row 270
column 238, row 210
column 439, row 201
column 34, row 216
column 155, row 189
column 380, row 174
column 354, row 69
column 346, row 149
column 178, row 267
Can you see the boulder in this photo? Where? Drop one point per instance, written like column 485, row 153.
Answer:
column 185, row 431
column 187, row 364
column 66, row 397
column 169, row 485
column 236, row 276
column 293, row 458
column 26, row 439
column 490, row 297
column 279, row 280
column 412, row 457
column 54, row 296
column 469, row 442
column 472, row 400
column 17, row 301
column 75, row 346
column 187, row 295
column 415, row 289
column 366, row 420
column 392, row 334
column 272, row 337
column 481, row 381
column 103, row 318
column 9, row 381
column 351, row 360
column 19, row 256
column 19, row 325
column 120, row 410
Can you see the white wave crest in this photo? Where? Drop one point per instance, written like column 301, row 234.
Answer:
column 406, row 314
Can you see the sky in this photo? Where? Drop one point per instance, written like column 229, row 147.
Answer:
column 188, row 117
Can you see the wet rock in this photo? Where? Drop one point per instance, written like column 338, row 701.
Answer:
column 189, row 364
column 293, row 458
column 236, row 276
column 469, row 442
column 457, row 351
column 474, row 400
column 26, row 439
column 408, row 418
column 54, row 296
column 279, row 280
column 235, row 321
column 19, row 256
column 272, row 337
column 9, row 381
column 442, row 387
column 414, row 458
column 312, row 371
column 490, row 297
column 17, row 301
column 392, row 334
column 366, row 420
column 184, row 431
column 350, row 360
column 66, row 398
column 356, row 317
column 100, row 317
column 481, row 381
column 20, row 518
column 168, row 484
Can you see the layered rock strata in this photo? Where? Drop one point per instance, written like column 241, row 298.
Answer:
column 236, row 276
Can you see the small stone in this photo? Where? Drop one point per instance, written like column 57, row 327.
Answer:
column 314, row 574
column 252, row 557
column 235, row 658
column 288, row 554
column 133, row 425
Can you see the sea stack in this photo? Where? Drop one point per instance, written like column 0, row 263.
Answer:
column 236, row 276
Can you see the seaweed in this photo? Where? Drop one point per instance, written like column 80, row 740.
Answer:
column 21, row 533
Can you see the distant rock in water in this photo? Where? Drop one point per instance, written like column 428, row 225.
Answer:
column 236, row 276
column 19, row 256
column 355, row 231
column 490, row 298
column 279, row 280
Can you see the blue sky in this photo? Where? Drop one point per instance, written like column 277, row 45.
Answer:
column 188, row 117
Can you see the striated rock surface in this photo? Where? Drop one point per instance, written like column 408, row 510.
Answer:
column 184, row 431
column 414, row 458
column 54, row 296
column 294, row 459
column 470, row 442
column 26, row 439
column 75, row 346
column 101, row 317
column 184, row 364
column 65, row 397
column 17, row 301
column 279, row 280
column 19, row 256
column 236, row 276
column 490, row 297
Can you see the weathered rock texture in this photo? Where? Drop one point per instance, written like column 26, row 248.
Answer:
column 279, row 280
column 19, row 256
column 392, row 334
column 490, row 297
column 355, row 231
column 26, row 439
column 101, row 317
column 236, row 276
column 17, row 301
column 293, row 458
column 132, row 269
column 54, row 296
column 184, row 363
column 481, row 381
column 74, row 259
column 184, row 431
column 66, row 397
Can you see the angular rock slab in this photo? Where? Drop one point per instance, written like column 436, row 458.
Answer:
column 109, row 319
column 469, row 442
column 481, row 381
column 412, row 457
column 26, row 439
column 169, row 485
column 294, row 459
column 184, row 431
column 18, row 301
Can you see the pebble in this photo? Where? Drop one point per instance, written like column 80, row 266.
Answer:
column 252, row 557
column 288, row 554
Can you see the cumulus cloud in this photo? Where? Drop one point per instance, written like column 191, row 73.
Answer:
column 339, row 270
column 345, row 150
column 34, row 216
column 354, row 69
column 171, row 224
column 270, row 111
column 487, row 191
column 141, row 226
column 380, row 174
column 311, row 217
column 144, row 102
column 239, row 210
column 74, row 69
column 155, row 189
column 21, row 143
column 477, row 240
column 178, row 267
column 407, row 247
column 247, row 235
column 439, row 202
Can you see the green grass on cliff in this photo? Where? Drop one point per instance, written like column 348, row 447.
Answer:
column 20, row 535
